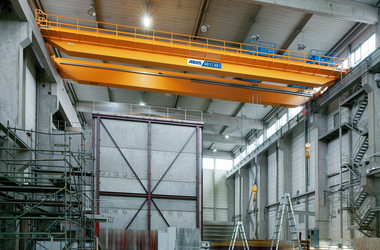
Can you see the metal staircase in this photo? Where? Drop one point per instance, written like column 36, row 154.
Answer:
column 353, row 170
column 359, row 112
column 362, row 149
column 363, row 211
column 359, row 201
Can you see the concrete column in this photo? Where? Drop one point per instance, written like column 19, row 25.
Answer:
column 262, row 161
column 369, row 183
column 285, row 161
column 46, row 106
column 231, row 198
column 245, row 195
column 321, row 181
column 285, row 158
column 15, row 37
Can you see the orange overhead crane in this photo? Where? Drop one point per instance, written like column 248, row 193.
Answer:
column 111, row 75
column 110, row 42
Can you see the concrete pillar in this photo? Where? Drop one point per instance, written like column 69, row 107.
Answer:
column 318, row 121
column 47, row 105
column 231, row 198
column 285, row 157
column 369, row 183
column 245, row 195
column 15, row 37
column 284, row 145
column 262, row 161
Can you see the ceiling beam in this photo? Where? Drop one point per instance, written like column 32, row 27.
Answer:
column 232, row 121
column 345, row 10
column 253, row 21
column 207, row 118
column 201, row 17
column 217, row 154
column 223, row 139
column 296, row 32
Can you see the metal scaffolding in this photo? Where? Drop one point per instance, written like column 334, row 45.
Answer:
column 46, row 190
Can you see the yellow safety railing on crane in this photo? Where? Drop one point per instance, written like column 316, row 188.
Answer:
column 126, row 37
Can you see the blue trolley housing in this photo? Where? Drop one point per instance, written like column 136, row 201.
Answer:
column 254, row 47
column 321, row 57
column 260, row 48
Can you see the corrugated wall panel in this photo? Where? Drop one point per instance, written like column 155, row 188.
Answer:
column 30, row 100
column 312, row 161
column 271, row 221
column 221, row 191
column 237, row 195
column 208, row 188
column 208, row 214
column 298, row 159
column 272, row 174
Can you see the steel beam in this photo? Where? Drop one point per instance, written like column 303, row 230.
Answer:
column 217, row 154
column 223, row 139
column 232, row 121
column 88, row 107
column 109, row 75
column 345, row 10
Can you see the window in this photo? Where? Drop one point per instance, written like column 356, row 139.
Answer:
column 294, row 111
column 271, row 130
column 237, row 160
column 372, row 44
column 222, row 164
column 260, row 140
column 366, row 48
column 208, row 163
column 250, row 148
column 357, row 56
column 282, row 121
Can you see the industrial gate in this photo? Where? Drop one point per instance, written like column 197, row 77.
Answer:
column 148, row 172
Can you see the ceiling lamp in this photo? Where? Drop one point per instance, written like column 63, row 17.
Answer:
column 147, row 21
column 301, row 46
column 214, row 150
column 205, row 28
column 255, row 37
column 227, row 136
column 91, row 11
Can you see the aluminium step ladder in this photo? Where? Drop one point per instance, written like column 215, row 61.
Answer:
column 239, row 231
column 285, row 209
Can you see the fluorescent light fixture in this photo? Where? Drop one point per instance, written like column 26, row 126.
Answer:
column 205, row 28
column 301, row 46
column 142, row 104
column 147, row 21
column 91, row 11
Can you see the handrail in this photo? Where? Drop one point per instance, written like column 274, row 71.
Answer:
column 172, row 38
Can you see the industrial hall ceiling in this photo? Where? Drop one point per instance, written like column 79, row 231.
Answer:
column 229, row 20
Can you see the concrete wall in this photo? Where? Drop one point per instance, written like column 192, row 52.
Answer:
column 283, row 169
